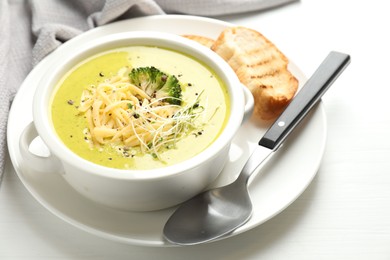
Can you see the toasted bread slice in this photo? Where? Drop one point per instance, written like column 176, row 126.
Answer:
column 260, row 66
column 201, row 39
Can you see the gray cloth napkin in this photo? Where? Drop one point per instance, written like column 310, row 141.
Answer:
column 31, row 29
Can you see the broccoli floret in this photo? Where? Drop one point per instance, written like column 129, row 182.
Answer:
column 172, row 89
column 149, row 79
column 156, row 83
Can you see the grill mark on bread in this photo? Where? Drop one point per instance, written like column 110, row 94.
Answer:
column 272, row 73
column 266, row 68
column 260, row 63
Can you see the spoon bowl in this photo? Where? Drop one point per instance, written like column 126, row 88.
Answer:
column 218, row 212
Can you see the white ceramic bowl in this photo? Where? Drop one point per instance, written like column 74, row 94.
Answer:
column 131, row 189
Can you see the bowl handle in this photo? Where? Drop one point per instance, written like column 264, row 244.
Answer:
column 50, row 164
column 249, row 103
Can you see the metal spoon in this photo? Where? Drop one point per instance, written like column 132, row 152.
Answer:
column 218, row 212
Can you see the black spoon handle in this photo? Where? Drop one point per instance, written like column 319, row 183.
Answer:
column 306, row 98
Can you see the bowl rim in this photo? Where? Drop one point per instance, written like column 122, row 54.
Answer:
column 46, row 87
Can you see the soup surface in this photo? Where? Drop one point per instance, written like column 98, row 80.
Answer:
column 200, row 88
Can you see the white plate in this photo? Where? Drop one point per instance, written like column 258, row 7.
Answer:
column 283, row 179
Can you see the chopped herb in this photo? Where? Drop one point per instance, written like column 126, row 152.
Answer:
column 129, row 105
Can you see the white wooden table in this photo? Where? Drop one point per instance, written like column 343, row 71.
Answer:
column 343, row 214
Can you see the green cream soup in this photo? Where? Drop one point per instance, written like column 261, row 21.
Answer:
column 200, row 87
